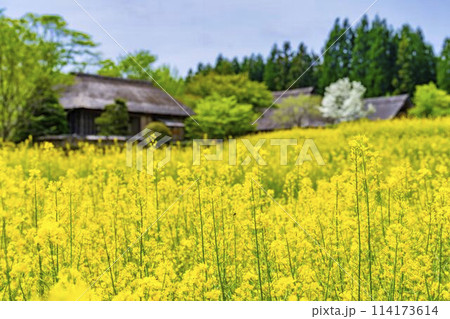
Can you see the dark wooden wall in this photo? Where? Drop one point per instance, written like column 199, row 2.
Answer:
column 82, row 122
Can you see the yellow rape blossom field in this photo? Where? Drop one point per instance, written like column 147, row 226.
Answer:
column 370, row 224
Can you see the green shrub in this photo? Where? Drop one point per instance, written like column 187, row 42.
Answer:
column 114, row 120
column 430, row 101
column 159, row 127
column 238, row 85
column 42, row 117
column 220, row 117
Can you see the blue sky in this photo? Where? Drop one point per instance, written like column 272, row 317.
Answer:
column 183, row 33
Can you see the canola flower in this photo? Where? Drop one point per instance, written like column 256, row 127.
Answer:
column 372, row 224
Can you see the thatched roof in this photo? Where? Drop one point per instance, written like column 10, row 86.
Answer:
column 266, row 122
column 387, row 107
column 278, row 96
column 95, row 92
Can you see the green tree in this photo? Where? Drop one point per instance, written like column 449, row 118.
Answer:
column 189, row 76
column 18, row 71
column 204, row 68
column 346, row 43
column 221, row 117
column 236, row 66
column 60, row 46
column 337, row 59
column 254, row 66
column 293, row 111
column 285, row 62
column 114, row 119
column 223, row 66
column 273, row 70
column 415, row 62
column 380, row 59
column 429, row 101
column 277, row 69
column 169, row 80
column 238, row 85
column 302, row 62
column 44, row 116
column 139, row 66
column 443, row 67
column 34, row 51
column 109, row 68
column 360, row 52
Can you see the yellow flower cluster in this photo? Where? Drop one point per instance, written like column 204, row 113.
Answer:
column 371, row 224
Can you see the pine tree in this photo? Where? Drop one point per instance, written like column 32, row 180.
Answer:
column 337, row 59
column 254, row 67
column 285, row 62
column 301, row 62
column 272, row 70
column 381, row 59
column 189, row 75
column 427, row 60
column 256, row 72
column 223, row 66
column 360, row 60
column 236, row 66
column 345, row 45
column 443, row 67
column 415, row 61
column 200, row 68
column 204, row 68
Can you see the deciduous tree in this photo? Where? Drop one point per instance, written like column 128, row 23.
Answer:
column 139, row 66
column 34, row 52
column 343, row 101
column 293, row 111
column 429, row 101
column 239, row 86
column 221, row 117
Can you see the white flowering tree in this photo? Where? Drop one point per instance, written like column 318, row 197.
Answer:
column 343, row 101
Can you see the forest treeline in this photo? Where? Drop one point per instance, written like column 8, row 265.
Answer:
column 384, row 60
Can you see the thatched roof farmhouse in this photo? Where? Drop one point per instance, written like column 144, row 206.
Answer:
column 89, row 94
column 386, row 108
